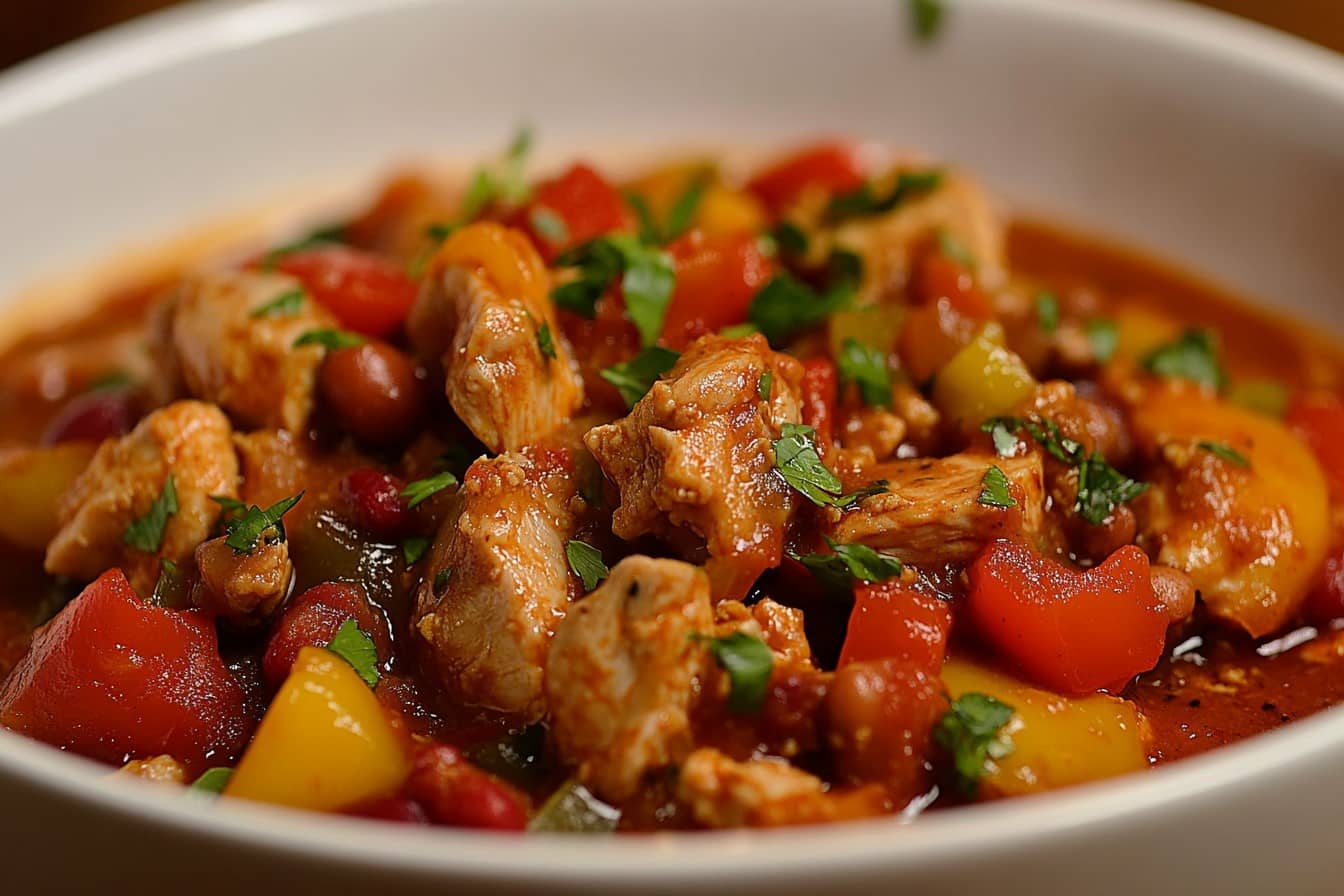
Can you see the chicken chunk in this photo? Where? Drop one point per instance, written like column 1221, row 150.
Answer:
column 157, row 770
column 930, row 513
column 244, row 589
column 694, row 461
column 190, row 441
column 227, row 350
column 498, row 583
column 486, row 316
column 1251, row 537
column 623, row 673
column 724, row 793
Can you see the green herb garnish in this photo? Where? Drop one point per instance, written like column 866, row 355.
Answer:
column 634, row 378
column 421, row 490
column 748, row 662
column 1047, row 311
column 331, row 340
column 1104, row 336
column 1226, row 452
column 356, row 648
column 955, row 249
column 799, row 462
column 212, row 781
column 972, row 734
column 549, row 225
column 413, row 548
column 786, row 305
column 867, row 368
column 646, row 274
column 323, row 236
column 865, row 201
column 247, row 528
column 545, row 341
column 765, row 384
column 146, row 533
column 288, row 302
column 586, row 562
column 1193, row 356
column 441, row 580
column 994, row 490
column 926, row 19
column 848, row 564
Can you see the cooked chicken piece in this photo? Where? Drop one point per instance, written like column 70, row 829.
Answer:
column 190, row 441
column 875, row 430
column 231, row 353
column 725, row 793
column 694, row 458
column 1250, row 537
column 930, row 513
column 244, row 589
column 781, row 628
column 623, row 673
column 498, row 583
column 486, row 316
column 158, row 770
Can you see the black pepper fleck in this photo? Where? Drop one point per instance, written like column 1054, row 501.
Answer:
column 1194, row 704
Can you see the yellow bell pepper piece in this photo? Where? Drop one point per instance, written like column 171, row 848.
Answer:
column 1057, row 741
column 874, row 326
column 324, row 744
column 1139, row 331
column 982, row 380
column 722, row 209
column 32, row 481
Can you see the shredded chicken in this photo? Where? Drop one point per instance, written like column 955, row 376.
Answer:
column 487, row 318
column 228, row 351
column 694, row 458
column 726, row 793
column 189, row 440
column 931, row 513
column 623, row 671
column 497, row 581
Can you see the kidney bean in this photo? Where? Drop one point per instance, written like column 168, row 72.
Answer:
column 374, row 392
column 92, row 417
column 375, row 497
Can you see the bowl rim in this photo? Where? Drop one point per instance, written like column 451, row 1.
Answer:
column 164, row 39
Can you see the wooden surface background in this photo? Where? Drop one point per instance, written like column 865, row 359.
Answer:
column 28, row 27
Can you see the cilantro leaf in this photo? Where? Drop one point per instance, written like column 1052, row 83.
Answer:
column 548, row 224
column 799, row 462
column 545, row 341
column 926, row 19
column 683, row 210
column 994, row 490
column 1003, row 431
column 422, row 490
column 748, row 662
column 586, row 562
column 790, row 239
column 866, row 201
column 971, row 732
column 1226, row 452
column 1047, row 310
column 850, row 563
column 288, row 302
column 867, row 368
column 786, row 305
column 648, row 227
column 413, row 548
column 212, row 781
column 844, row 269
column 330, row 339
column 1104, row 336
column 1193, row 356
column 765, row 384
column 356, row 648
column 1102, row 488
column 634, row 378
column 647, row 279
column 246, row 529
column 146, row 533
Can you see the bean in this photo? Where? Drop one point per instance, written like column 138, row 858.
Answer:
column 374, row 392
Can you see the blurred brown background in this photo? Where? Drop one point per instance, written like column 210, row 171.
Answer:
column 28, row 27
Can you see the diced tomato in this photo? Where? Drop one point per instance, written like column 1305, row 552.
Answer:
column 819, row 392
column 113, row 677
column 583, row 201
column 367, row 293
column 892, row 620
column 834, row 167
column 1073, row 632
column 1318, row 417
column 457, row 794
column 312, row 620
column 940, row 277
column 717, row 277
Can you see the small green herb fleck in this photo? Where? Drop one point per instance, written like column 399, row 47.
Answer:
column 739, row 331
column 441, row 580
column 683, row 210
column 323, row 236
column 212, row 781
column 994, row 490
column 764, row 385
column 926, row 19
column 413, row 548
column 955, row 249
column 586, row 563
column 799, row 462
column 865, row 201
column 1104, row 336
column 1226, row 452
column 786, row 305
column 1193, row 356
column 248, row 528
column 549, row 225
column 110, row 381
column 331, row 340
column 421, row 490
column 850, row 563
column 634, row 378
column 146, row 533
column 545, row 341
column 1047, row 311
column 867, row 368
column 646, row 273
column 748, row 662
column 972, row 734
column 356, row 648
column 288, row 302
column 790, row 239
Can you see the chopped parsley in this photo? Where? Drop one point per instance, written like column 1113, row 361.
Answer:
column 1226, row 452
column 356, row 648
column 441, row 580
column 1193, row 356
column 926, row 19
column 1104, row 336
column 994, row 489
column 1101, row 487
column 848, row 564
column 288, row 302
column 422, row 490
column 146, row 533
column 112, row 380
column 790, row 239
column 330, row 339
column 647, row 278
column 971, row 732
column 799, row 462
column 867, row 201
column 679, row 216
column 1047, row 310
column 748, row 662
column 252, row 523
column 212, row 780
column 955, row 249
column 506, row 182
column 844, row 269
column 786, row 305
column 549, row 225
column 413, row 548
column 739, row 331
column 586, row 563
column 867, row 368
column 634, row 378
column 765, row 384
column 323, row 236
column 545, row 341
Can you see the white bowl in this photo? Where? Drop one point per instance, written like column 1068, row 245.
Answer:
column 1213, row 142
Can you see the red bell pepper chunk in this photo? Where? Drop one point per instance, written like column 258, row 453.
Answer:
column 455, row 793
column 113, row 677
column 819, row 391
column 892, row 621
column 1318, row 418
column 717, row 277
column 312, row 620
column 583, row 201
column 1072, row 632
column 834, row 167
column 940, row 277
column 366, row 293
